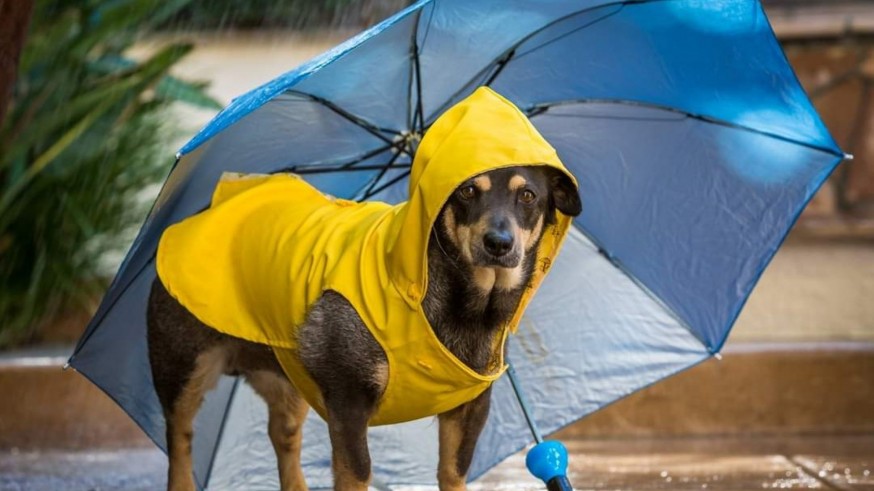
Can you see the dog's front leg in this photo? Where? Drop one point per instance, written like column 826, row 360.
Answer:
column 348, row 415
column 459, row 431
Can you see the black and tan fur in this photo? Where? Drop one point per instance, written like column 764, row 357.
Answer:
column 480, row 257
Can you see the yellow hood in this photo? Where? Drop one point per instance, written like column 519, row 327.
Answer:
column 253, row 264
column 481, row 133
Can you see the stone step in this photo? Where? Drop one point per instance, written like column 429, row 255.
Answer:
column 756, row 388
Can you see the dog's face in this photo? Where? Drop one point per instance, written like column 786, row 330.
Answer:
column 496, row 219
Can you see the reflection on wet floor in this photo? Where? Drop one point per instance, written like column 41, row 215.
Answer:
column 845, row 473
column 721, row 464
column 826, row 462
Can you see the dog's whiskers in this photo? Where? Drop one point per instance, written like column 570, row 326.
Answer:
column 453, row 261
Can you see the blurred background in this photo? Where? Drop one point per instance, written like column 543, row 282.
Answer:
column 97, row 96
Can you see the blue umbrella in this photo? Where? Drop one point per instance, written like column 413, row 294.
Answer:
column 694, row 145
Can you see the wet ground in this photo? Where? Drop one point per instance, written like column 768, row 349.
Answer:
column 721, row 464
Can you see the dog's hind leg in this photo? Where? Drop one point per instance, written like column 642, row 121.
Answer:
column 287, row 411
column 180, row 417
column 459, row 431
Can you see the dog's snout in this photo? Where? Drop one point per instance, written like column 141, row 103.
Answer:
column 498, row 242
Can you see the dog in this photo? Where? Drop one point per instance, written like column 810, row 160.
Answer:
column 367, row 313
column 480, row 258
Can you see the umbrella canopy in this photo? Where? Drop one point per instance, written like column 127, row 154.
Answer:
column 693, row 143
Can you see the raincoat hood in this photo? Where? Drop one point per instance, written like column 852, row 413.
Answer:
column 481, row 133
column 255, row 262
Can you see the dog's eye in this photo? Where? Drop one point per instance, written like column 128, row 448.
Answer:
column 467, row 192
column 527, row 197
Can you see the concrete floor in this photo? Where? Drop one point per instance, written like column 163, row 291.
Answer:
column 723, row 464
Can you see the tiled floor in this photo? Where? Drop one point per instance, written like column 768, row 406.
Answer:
column 719, row 464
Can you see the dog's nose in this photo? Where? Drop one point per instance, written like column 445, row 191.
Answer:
column 498, row 242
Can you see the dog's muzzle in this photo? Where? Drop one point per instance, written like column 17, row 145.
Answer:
column 498, row 242
column 498, row 250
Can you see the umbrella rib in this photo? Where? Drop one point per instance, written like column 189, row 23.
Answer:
column 346, row 114
column 413, row 114
column 352, row 166
column 542, row 108
column 619, row 8
column 329, row 170
column 382, row 172
column 412, row 74
column 336, row 163
column 371, row 128
column 218, row 439
column 428, row 25
column 500, row 67
column 525, row 38
column 387, row 185
column 502, row 63
column 419, row 116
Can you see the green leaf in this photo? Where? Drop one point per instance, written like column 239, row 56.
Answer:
column 175, row 89
column 170, row 87
column 119, row 15
column 49, row 155
column 113, row 89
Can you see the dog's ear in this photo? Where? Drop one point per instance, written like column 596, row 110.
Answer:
column 565, row 195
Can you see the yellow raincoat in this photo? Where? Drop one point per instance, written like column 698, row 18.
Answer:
column 253, row 263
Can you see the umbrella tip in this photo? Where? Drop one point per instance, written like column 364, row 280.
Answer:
column 849, row 156
column 718, row 356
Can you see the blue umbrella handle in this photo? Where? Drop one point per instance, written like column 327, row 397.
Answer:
column 548, row 461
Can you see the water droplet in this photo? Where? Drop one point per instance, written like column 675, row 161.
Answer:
column 847, row 471
column 866, row 473
column 668, row 479
column 704, row 486
column 788, row 473
column 664, row 474
column 829, row 466
column 823, row 473
column 765, row 485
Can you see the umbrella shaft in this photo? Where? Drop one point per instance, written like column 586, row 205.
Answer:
column 523, row 403
column 559, row 483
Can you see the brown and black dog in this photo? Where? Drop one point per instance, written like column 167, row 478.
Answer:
column 481, row 255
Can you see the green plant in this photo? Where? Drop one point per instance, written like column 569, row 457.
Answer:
column 85, row 134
